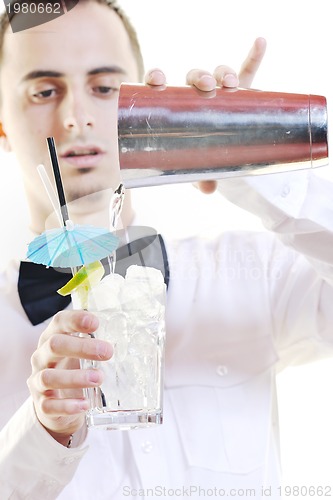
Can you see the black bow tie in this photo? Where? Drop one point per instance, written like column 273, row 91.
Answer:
column 38, row 285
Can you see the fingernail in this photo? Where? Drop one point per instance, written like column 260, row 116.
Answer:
column 207, row 78
column 206, row 82
column 156, row 77
column 104, row 350
column 93, row 376
column 230, row 80
column 89, row 322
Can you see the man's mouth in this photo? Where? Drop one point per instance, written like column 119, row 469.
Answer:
column 83, row 157
column 83, row 152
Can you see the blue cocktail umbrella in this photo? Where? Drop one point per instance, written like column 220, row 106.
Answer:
column 71, row 245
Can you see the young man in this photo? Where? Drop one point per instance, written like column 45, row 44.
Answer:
column 237, row 305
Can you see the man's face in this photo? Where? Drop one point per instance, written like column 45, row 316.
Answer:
column 61, row 79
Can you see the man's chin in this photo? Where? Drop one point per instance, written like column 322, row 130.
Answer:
column 88, row 200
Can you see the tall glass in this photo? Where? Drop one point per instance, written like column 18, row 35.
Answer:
column 131, row 314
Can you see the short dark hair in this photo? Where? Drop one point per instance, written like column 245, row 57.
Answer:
column 6, row 18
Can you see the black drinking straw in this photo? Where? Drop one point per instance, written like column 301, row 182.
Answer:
column 57, row 178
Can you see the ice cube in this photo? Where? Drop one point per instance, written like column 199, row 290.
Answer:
column 142, row 344
column 144, row 291
column 116, row 386
column 144, row 272
column 113, row 327
column 105, row 295
column 118, row 335
column 149, row 278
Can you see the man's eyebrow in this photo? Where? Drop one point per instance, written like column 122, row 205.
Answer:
column 107, row 69
column 33, row 75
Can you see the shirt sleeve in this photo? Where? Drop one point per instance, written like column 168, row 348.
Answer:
column 33, row 465
column 297, row 207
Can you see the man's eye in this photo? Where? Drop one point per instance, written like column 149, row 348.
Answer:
column 104, row 90
column 44, row 94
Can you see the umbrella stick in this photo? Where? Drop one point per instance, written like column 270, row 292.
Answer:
column 57, row 177
column 58, row 181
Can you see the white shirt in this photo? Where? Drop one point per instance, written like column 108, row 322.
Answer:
column 240, row 307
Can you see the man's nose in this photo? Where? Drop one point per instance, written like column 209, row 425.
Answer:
column 76, row 113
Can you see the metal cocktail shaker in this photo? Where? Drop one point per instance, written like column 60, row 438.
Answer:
column 180, row 134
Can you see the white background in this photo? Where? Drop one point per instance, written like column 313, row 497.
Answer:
column 177, row 35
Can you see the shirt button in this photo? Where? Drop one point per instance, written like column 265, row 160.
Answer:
column 285, row 191
column 147, row 446
column 222, row 370
column 50, row 484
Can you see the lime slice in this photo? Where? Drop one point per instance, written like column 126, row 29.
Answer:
column 82, row 282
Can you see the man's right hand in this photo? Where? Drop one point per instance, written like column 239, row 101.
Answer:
column 56, row 383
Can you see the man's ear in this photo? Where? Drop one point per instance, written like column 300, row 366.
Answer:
column 4, row 143
column 2, row 132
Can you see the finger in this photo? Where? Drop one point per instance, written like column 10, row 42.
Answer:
column 226, row 76
column 207, row 187
column 66, row 346
column 50, row 379
column 67, row 322
column 155, row 77
column 252, row 62
column 62, row 407
column 201, row 79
